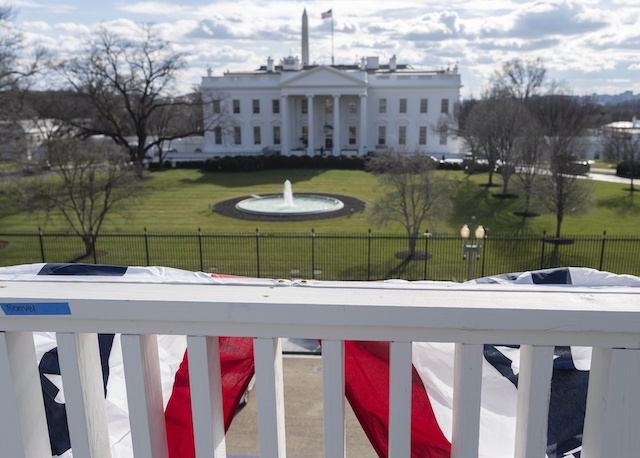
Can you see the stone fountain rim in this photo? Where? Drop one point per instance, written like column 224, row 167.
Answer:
column 324, row 197
column 351, row 206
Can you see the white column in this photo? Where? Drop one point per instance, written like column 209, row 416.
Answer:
column 284, row 126
column 336, row 125
column 363, row 125
column 310, row 127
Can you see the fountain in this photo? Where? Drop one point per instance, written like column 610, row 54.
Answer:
column 289, row 204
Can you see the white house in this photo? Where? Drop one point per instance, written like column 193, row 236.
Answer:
column 355, row 109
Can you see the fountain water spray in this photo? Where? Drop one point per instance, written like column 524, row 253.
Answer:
column 288, row 194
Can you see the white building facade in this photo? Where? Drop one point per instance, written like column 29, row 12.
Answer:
column 299, row 109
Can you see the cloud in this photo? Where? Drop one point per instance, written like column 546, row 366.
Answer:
column 545, row 18
column 634, row 67
column 152, row 8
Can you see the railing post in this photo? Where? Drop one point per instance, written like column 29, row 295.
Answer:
column 200, row 248
column 257, row 253
column 467, row 384
column 610, row 426
column 270, row 397
column 206, row 396
column 400, row 386
column 81, row 370
column 144, row 395
column 534, row 389
column 146, row 245
column 23, row 425
column 41, row 243
column 604, row 236
column 333, row 399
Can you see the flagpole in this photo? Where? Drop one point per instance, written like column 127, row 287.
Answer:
column 332, row 38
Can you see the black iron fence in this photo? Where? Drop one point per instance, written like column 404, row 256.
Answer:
column 368, row 256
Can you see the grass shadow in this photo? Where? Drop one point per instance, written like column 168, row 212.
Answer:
column 623, row 204
column 473, row 204
column 256, row 178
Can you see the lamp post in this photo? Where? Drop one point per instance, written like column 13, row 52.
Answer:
column 467, row 248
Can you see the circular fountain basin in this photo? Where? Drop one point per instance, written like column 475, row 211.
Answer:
column 276, row 205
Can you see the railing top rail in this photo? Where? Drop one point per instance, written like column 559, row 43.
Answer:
column 402, row 311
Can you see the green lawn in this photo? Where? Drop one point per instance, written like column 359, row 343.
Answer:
column 179, row 201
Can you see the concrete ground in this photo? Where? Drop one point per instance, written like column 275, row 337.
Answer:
column 303, row 416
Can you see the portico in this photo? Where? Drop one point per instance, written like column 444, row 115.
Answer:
column 329, row 112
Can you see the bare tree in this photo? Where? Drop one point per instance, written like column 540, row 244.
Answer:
column 622, row 144
column 494, row 127
column 15, row 76
column 564, row 121
column 412, row 192
column 531, row 163
column 520, row 79
column 87, row 181
column 127, row 84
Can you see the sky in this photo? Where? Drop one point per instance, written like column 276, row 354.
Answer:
column 591, row 46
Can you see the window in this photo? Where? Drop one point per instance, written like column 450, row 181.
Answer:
column 403, row 105
column 382, row 135
column 256, row 135
column 382, row 106
column 445, row 106
column 443, row 135
column 353, row 109
column 276, row 135
column 424, row 105
column 328, row 105
column 218, row 135
column 422, row 135
column 305, row 106
column 216, row 107
column 256, row 106
column 352, row 135
column 304, row 135
column 275, row 106
column 236, row 106
column 402, row 135
column 237, row 135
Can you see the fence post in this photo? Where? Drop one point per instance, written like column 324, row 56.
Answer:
column 544, row 236
column 484, row 253
column 604, row 236
column 146, row 245
column 93, row 248
column 257, row 253
column 369, row 256
column 41, row 243
column 426, row 251
column 200, row 248
column 313, row 254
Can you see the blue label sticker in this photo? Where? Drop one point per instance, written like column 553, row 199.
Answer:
column 36, row 308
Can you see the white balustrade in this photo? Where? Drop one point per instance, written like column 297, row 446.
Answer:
column 535, row 317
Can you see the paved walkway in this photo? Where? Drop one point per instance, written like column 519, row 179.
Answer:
column 303, row 417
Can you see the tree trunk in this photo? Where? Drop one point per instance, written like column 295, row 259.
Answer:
column 89, row 245
column 413, row 240
column 558, row 224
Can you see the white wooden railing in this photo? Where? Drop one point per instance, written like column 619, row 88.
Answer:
column 537, row 317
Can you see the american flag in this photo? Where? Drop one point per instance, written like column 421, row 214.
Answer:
column 326, row 14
